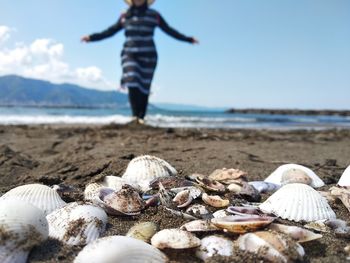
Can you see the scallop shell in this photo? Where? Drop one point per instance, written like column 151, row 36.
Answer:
column 143, row 231
column 41, row 196
column 276, row 176
column 345, row 178
column 120, row 249
column 22, row 226
column 77, row 224
column 298, row 202
column 271, row 246
column 175, row 238
column 143, row 169
column 214, row 245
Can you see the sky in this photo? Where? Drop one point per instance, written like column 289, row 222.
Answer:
column 252, row 53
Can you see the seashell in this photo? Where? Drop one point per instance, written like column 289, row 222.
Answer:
column 22, row 226
column 271, row 246
column 175, row 238
column 143, row 231
column 170, row 182
column 264, row 187
column 199, row 226
column 288, row 171
column 242, row 224
column 214, row 245
column 127, row 201
column 181, row 214
column 342, row 194
column 195, row 192
column 166, row 197
column 345, row 178
column 117, row 183
column 298, row 202
column 41, row 196
column 337, row 226
column 92, row 191
column 209, row 184
column 143, row 169
column 221, row 213
column 226, row 176
column 77, row 225
column 235, row 188
column 183, row 199
column 215, row 200
column 297, row 233
column 197, row 210
column 243, row 210
column 249, row 193
column 120, row 249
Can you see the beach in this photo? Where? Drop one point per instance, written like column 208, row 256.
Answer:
column 75, row 155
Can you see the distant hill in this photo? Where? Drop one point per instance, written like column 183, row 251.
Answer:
column 20, row 91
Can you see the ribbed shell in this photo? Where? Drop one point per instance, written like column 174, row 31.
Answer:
column 142, row 170
column 345, row 178
column 298, row 202
column 120, row 249
column 22, row 227
column 276, row 176
column 41, row 196
column 77, row 224
column 92, row 191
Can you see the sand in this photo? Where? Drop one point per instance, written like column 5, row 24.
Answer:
column 77, row 155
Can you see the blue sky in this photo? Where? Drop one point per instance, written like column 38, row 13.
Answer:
column 272, row 54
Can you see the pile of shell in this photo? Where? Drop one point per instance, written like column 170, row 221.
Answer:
column 30, row 214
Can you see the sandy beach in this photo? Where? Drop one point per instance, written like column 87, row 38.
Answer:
column 77, row 155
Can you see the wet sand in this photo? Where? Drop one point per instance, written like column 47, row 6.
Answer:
column 78, row 155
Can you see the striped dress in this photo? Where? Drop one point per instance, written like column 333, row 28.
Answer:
column 139, row 54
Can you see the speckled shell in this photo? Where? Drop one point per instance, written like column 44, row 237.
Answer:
column 77, row 224
column 92, row 191
column 175, row 238
column 22, row 227
column 41, row 196
column 120, row 249
column 142, row 170
column 298, row 202
column 214, row 245
column 345, row 178
column 276, row 176
column 271, row 246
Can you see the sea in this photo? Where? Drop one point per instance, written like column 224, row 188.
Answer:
column 212, row 119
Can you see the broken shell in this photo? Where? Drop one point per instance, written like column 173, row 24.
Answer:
column 92, row 192
column 181, row 214
column 345, row 178
column 22, row 227
column 199, row 226
column 214, row 245
column 298, row 202
column 342, row 194
column 183, row 199
column 175, row 238
column 41, row 196
column 226, row 176
column 209, row 184
column 337, row 226
column 195, row 192
column 127, row 201
column 143, row 231
column 117, row 183
column 166, row 197
column 170, row 182
column 242, row 224
column 297, row 233
column 249, row 193
column 271, row 246
column 243, row 210
column 221, row 213
column 288, row 170
column 264, row 187
column 197, row 210
column 77, row 225
column 143, row 169
column 215, row 200
column 120, row 249
column 235, row 188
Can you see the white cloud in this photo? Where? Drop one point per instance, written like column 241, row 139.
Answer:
column 43, row 59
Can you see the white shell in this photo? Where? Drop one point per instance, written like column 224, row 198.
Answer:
column 92, row 192
column 197, row 210
column 298, row 202
column 77, row 224
column 345, row 178
column 175, row 238
column 276, row 176
column 143, row 169
column 117, row 183
column 264, row 187
column 23, row 226
column 199, row 226
column 120, row 249
column 41, row 196
column 214, row 245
